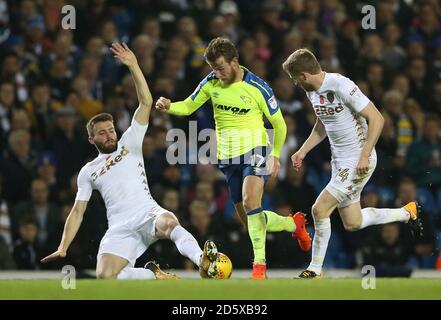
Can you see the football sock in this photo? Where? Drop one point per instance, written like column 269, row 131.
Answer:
column 276, row 223
column 186, row 244
column 257, row 232
column 373, row 216
column 320, row 244
column 135, row 273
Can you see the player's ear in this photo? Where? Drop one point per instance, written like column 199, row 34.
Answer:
column 235, row 60
column 91, row 140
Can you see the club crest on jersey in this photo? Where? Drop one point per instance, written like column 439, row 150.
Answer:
column 109, row 163
column 330, row 97
column 245, row 99
column 322, row 100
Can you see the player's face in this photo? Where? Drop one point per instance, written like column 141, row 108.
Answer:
column 104, row 139
column 225, row 71
column 302, row 81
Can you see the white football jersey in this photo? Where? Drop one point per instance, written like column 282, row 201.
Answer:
column 337, row 104
column 121, row 179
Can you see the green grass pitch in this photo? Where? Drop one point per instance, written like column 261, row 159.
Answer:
column 280, row 289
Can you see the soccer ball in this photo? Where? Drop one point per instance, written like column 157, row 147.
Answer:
column 223, row 267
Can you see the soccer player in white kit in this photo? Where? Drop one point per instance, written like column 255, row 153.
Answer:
column 135, row 219
column 342, row 110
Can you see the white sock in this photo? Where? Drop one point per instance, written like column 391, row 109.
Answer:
column 129, row 273
column 320, row 244
column 186, row 244
column 373, row 216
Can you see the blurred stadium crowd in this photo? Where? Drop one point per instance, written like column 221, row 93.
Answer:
column 53, row 80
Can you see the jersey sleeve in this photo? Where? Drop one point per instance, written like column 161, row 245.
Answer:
column 268, row 102
column 199, row 96
column 84, row 186
column 134, row 135
column 270, row 108
column 351, row 94
column 280, row 129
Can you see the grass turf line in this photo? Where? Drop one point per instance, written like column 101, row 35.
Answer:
column 279, row 289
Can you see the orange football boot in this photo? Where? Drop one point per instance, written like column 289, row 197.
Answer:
column 259, row 271
column 301, row 233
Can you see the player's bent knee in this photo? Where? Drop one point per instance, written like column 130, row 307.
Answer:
column 250, row 203
column 165, row 225
column 106, row 274
column 318, row 212
column 351, row 227
column 171, row 224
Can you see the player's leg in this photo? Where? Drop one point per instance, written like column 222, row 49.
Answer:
column 321, row 211
column 351, row 216
column 167, row 227
column 109, row 266
column 234, row 178
column 252, row 191
column 274, row 221
column 240, row 211
column 119, row 249
column 296, row 224
column 354, row 218
column 233, row 175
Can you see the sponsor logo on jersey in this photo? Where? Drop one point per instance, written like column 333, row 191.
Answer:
column 110, row 163
column 328, row 111
column 272, row 102
column 234, row 110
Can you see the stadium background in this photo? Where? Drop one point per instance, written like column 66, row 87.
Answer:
column 53, row 80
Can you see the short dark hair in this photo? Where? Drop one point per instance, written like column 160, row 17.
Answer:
column 220, row 47
column 301, row 60
column 101, row 117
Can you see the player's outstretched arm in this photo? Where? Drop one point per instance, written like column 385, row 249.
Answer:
column 71, row 227
column 127, row 57
column 375, row 124
column 189, row 105
column 318, row 134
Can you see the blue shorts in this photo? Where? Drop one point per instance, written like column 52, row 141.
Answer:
column 253, row 163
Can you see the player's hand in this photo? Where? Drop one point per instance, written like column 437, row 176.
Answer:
column 363, row 165
column 273, row 166
column 297, row 159
column 163, row 104
column 54, row 256
column 123, row 54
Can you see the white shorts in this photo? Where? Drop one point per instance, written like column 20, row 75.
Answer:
column 130, row 242
column 346, row 185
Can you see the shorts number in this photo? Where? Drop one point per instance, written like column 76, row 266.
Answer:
column 257, row 160
column 343, row 174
